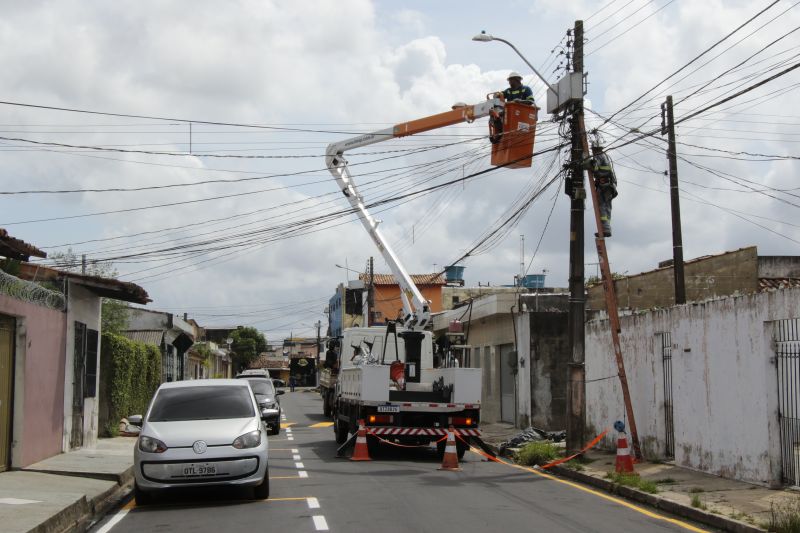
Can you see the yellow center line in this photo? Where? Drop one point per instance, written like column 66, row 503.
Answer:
column 287, row 424
column 606, row 497
column 321, row 425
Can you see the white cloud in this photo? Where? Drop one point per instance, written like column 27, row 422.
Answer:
column 341, row 66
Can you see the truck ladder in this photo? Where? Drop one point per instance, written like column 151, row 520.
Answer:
column 611, row 297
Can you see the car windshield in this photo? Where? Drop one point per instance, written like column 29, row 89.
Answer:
column 262, row 387
column 201, row 403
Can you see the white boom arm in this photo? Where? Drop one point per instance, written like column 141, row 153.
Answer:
column 416, row 309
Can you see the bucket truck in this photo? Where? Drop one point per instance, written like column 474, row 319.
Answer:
column 386, row 374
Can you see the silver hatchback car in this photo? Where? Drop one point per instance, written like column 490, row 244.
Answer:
column 201, row 433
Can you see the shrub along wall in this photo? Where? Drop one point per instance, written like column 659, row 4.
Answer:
column 130, row 373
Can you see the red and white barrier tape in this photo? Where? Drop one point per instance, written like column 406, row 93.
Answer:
column 589, row 446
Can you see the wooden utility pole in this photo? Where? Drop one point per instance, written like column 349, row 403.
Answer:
column 576, row 385
column 668, row 128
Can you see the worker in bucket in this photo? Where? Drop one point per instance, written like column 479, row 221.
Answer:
column 606, row 184
column 517, row 92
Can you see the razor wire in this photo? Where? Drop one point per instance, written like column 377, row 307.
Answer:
column 31, row 292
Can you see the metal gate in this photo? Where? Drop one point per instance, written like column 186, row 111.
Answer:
column 786, row 335
column 78, row 386
column 669, row 422
column 7, row 332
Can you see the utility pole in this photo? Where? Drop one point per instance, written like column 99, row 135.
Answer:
column 371, row 291
column 668, row 128
column 319, row 350
column 576, row 389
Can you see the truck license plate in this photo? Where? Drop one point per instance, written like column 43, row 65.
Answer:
column 388, row 408
column 201, row 469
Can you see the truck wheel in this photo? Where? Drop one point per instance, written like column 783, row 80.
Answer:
column 326, row 406
column 341, row 429
column 461, row 449
column 373, row 445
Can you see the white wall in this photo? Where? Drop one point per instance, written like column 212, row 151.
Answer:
column 724, row 382
column 82, row 306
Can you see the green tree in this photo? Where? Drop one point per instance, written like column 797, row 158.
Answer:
column 114, row 313
column 247, row 344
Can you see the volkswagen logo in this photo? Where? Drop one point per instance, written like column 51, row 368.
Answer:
column 200, row 447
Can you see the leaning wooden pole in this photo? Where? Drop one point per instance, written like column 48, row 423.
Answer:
column 611, row 296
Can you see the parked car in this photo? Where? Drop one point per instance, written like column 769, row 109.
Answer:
column 268, row 402
column 253, row 372
column 278, row 382
column 201, row 433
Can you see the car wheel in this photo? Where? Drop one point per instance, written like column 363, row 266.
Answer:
column 261, row 492
column 341, row 429
column 141, row 497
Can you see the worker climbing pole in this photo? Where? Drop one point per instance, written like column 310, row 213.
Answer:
column 575, row 188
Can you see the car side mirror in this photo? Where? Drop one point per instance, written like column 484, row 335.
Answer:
column 135, row 420
column 279, row 392
column 263, row 413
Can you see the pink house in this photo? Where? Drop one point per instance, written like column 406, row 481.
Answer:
column 49, row 355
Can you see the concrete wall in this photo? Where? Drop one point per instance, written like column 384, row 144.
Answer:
column 549, row 356
column 713, row 276
column 38, row 381
column 387, row 300
column 724, row 382
column 452, row 296
column 779, row 266
column 82, row 306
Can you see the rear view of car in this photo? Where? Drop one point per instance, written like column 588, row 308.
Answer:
column 201, row 433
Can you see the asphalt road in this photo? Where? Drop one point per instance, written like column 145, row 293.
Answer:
column 400, row 490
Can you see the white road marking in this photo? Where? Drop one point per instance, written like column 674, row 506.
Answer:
column 295, row 450
column 296, row 457
column 313, row 503
column 302, row 473
column 290, row 438
column 17, row 501
column 320, row 523
column 115, row 519
column 299, row 465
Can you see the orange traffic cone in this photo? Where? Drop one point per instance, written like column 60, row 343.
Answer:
column 624, row 462
column 361, row 451
column 450, row 459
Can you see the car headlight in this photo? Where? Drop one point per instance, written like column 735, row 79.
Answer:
column 248, row 440
column 151, row 445
column 269, row 405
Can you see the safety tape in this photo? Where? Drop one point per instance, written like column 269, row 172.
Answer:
column 404, row 445
column 589, row 446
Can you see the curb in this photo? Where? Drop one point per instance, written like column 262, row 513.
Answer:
column 83, row 514
column 659, row 502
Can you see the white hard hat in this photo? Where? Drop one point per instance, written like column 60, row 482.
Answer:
column 514, row 74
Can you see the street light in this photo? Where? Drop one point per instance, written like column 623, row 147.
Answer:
column 484, row 37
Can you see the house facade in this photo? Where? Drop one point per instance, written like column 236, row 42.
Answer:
column 170, row 332
column 519, row 342
column 49, row 355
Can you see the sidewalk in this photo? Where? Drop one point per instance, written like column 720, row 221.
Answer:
column 718, row 502
column 64, row 493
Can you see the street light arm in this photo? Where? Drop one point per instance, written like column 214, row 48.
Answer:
column 484, row 37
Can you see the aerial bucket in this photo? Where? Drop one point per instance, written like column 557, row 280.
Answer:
column 514, row 148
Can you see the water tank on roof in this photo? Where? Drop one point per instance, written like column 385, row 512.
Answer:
column 454, row 273
column 533, row 281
